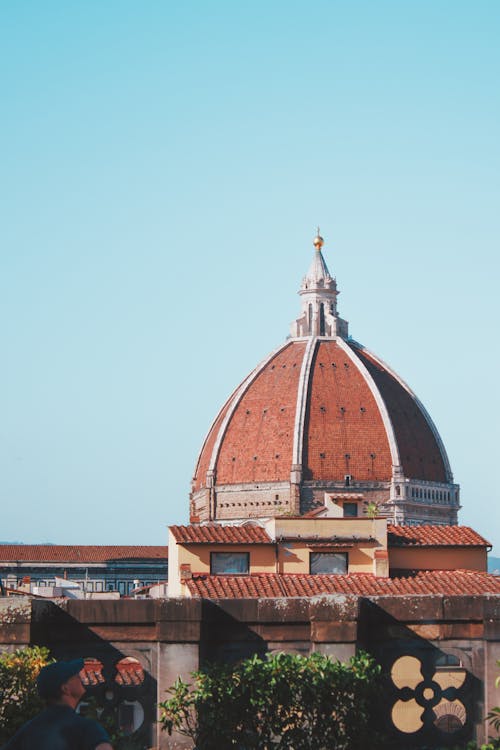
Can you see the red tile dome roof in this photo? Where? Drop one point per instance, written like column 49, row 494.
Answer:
column 320, row 410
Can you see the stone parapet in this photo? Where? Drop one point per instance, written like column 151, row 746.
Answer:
column 172, row 637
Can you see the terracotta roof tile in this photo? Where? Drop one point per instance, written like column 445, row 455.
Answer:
column 420, row 454
column 257, row 446
column 72, row 553
column 217, row 534
column 264, row 585
column 236, row 587
column 434, row 536
column 344, row 432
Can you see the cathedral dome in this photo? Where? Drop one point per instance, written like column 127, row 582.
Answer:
column 323, row 423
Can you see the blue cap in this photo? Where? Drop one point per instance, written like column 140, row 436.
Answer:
column 54, row 675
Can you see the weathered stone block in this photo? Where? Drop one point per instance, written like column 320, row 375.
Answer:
column 283, row 610
column 411, row 608
column 334, row 632
column 463, row 608
column 337, row 607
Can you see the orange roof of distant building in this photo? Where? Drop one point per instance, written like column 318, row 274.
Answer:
column 265, row 585
column 79, row 553
column 216, row 534
column 434, row 536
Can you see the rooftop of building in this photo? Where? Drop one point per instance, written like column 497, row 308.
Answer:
column 397, row 536
column 214, row 533
column 271, row 585
column 79, row 553
column 434, row 536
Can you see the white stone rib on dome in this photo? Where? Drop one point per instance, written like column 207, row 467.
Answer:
column 301, row 409
column 389, row 429
column 235, row 400
column 425, row 413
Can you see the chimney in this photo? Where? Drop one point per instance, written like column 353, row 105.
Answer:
column 381, row 563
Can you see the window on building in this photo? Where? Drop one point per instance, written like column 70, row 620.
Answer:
column 110, row 587
column 99, row 586
column 328, row 562
column 229, row 563
column 350, row 510
column 122, row 587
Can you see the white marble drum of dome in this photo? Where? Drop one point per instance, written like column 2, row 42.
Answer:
column 323, row 425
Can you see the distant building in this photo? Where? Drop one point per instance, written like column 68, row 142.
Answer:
column 322, row 418
column 322, row 555
column 99, row 569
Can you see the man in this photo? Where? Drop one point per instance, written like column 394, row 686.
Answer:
column 59, row 727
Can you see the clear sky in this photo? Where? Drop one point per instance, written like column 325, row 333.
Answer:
column 164, row 167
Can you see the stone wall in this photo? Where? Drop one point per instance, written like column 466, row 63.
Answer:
column 437, row 652
column 257, row 500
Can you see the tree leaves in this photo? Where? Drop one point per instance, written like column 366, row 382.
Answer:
column 19, row 700
column 285, row 702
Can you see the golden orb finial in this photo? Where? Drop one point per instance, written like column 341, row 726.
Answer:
column 318, row 241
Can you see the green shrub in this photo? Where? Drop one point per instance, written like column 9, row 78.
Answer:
column 19, row 700
column 280, row 703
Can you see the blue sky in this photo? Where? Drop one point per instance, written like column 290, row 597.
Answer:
column 164, row 169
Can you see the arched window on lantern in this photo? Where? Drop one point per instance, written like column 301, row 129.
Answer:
column 321, row 319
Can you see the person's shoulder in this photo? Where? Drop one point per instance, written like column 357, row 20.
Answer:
column 85, row 731
column 29, row 729
column 92, row 732
column 85, row 720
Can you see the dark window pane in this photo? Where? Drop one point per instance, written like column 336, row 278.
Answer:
column 321, row 320
column 229, row 563
column 328, row 562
